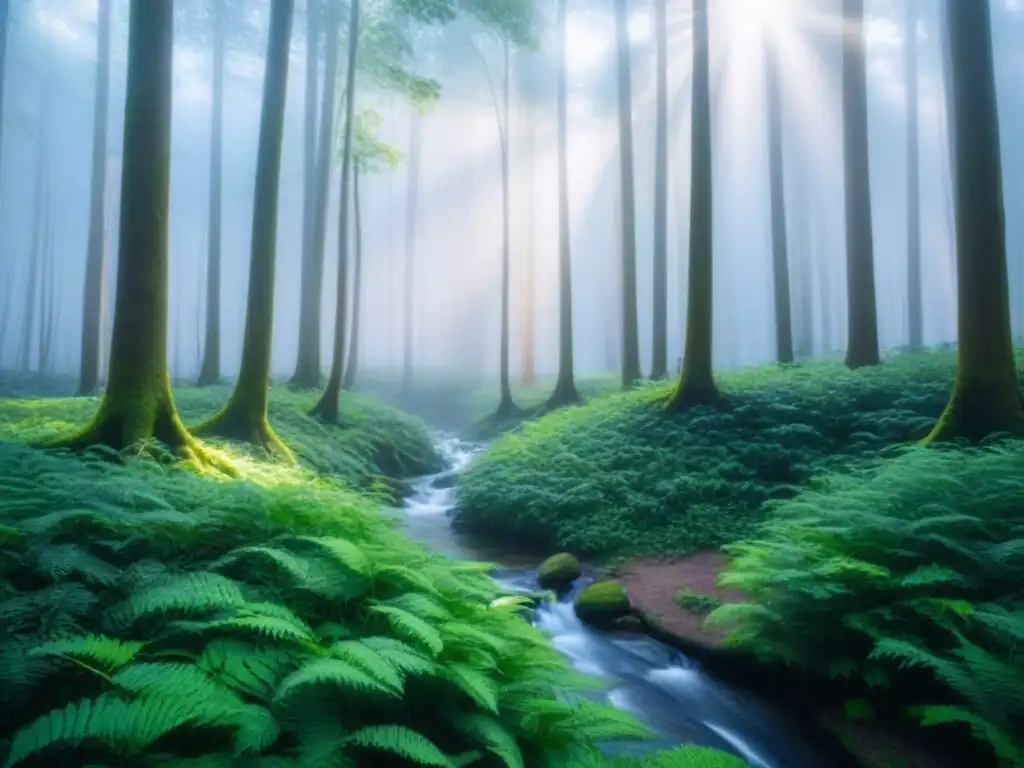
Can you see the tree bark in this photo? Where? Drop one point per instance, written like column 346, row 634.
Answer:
column 137, row 404
column 780, row 239
column 307, row 364
column 506, row 405
column 528, row 314
column 410, row 248
column 565, row 391
column 40, row 193
column 209, row 373
column 245, row 415
column 986, row 398
column 630, row 333
column 88, row 377
column 915, row 320
column 49, row 306
column 862, row 341
column 352, row 366
column 327, row 407
column 696, row 383
column 659, row 335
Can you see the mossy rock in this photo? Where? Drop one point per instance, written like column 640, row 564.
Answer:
column 603, row 604
column 558, row 572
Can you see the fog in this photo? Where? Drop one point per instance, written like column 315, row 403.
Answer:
column 46, row 162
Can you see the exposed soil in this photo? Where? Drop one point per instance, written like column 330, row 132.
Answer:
column 652, row 584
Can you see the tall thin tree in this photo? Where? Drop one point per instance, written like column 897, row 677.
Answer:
column 5, row 13
column 862, row 327
column 328, row 406
column 659, row 335
column 245, row 415
column 630, row 333
column 780, row 239
column 95, row 262
column 352, row 365
column 565, row 387
column 915, row 320
column 137, row 403
column 411, row 205
column 307, row 364
column 986, row 398
column 209, row 373
column 696, row 383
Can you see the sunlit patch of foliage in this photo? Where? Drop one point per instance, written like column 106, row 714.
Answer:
column 918, row 565
column 153, row 616
column 373, row 440
column 618, row 476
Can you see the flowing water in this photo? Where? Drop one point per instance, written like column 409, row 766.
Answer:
column 658, row 684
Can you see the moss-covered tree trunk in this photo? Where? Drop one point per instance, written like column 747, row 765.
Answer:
column 209, row 371
column 659, row 335
column 327, row 407
column 95, row 263
column 697, row 383
column 780, row 239
column 862, row 326
column 506, row 405
column 245, row 415
column 408, row 283
column 352, row 366
column 565, row 387
column 630, row 333
column 137, row 403
column 915, row 320
column 307, row 365
column 986, row 398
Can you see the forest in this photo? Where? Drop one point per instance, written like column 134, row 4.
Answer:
column 512, row 383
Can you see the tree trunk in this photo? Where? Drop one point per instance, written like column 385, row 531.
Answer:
column 48, row 304
column 986, row 398
column 137, row 404
column 4, row 16
column 659, row 336
column 780, row 240
column 89, row 372
column 529, row 310
column 209, row 373
column 697, row 383
column 352, row 366
column 565, row 387
column 245, row 415
column 410, row 248
column 915, row 320
column 862, row 340
column 307, row 364
column 36, row 247
column 630, row 333
column 506, row 405
column 327, row 407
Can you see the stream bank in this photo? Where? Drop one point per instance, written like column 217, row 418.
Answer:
column 672, row 693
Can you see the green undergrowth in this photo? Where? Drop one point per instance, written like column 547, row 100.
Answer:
column 619, row 477
column 373, row 441
column 697, row 603
column 154, row 616
column 465, row 405
column 913, row 569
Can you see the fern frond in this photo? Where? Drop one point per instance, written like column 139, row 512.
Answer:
column 58, row 561
column 254, row 670
column 490, row 732
column 367, row 659
column 401, row 741
column 189, row 593
column 411, row 627
column 331, row 672
column 478, row 686
column 108, row 653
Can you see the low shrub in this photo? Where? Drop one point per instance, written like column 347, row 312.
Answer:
column 618, row 476
column 152, row 616
column 916, row 565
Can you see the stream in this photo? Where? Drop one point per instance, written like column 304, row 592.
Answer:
column 670, row 693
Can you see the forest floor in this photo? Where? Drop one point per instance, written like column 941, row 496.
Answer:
column 166, row 615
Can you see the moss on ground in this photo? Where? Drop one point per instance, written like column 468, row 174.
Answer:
column 619, row 476
column 374, row 441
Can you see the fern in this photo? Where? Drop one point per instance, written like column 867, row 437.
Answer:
column 401, row 741
column 411, row 627
column 107, row 653
column 249, row 669
column 370, row 661
column 331, row 672
column 59, row 561
column 473, row 683
column 189, row 593
column 491, row 732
